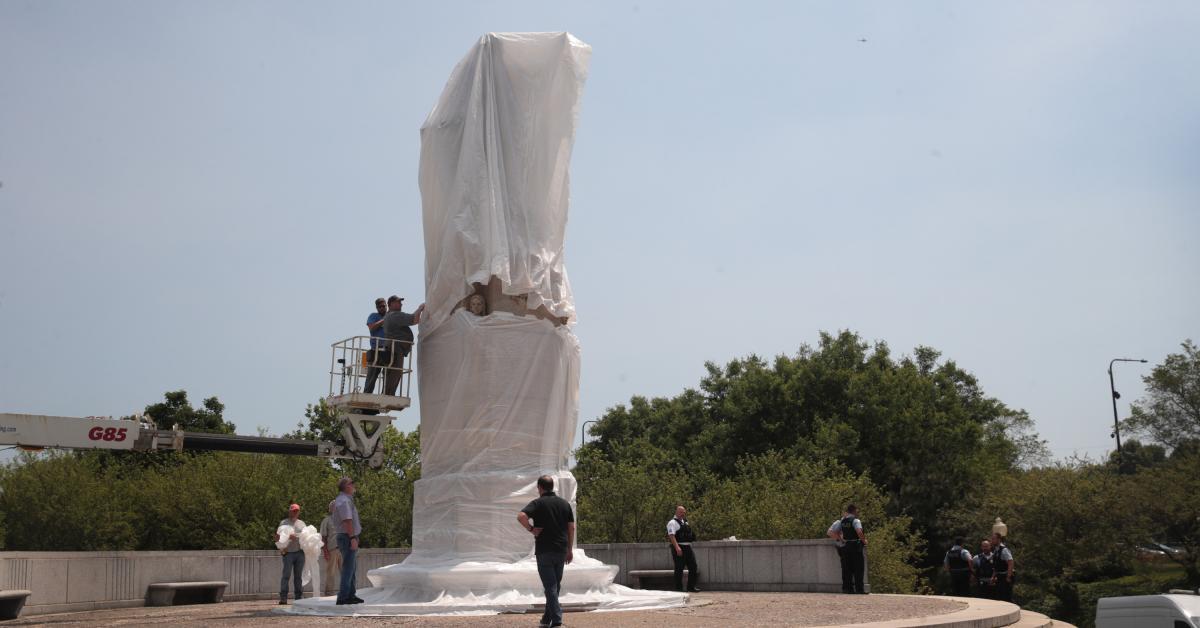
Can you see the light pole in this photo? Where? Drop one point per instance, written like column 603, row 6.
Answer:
column 1115, row 396
column 583, row 431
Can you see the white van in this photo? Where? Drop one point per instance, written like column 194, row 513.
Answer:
column 1149, row 611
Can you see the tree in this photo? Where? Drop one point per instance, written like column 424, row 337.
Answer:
column 1070, row 523
column 164, row 500
column 228, row 500
column 774, row 496
column 175, row 410
column 1169, row 497
column 921, row 427
column 58, row 501
column 402, row 451
column 1136, row 456
column 627, row 496
column 322, row 422
column 1170, row 411
column 385, row 495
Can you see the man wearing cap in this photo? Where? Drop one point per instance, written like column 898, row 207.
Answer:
column 377, row 354
column 346, row 515
column 293, row 557
column 398, row 333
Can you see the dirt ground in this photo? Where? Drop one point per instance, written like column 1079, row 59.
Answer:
column 707, row 610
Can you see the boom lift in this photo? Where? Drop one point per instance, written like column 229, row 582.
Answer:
column 363, row 414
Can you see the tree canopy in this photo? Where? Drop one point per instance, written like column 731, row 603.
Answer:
column 922, row 428
column 1170, row 412
column 101, row 500
column 174, row 409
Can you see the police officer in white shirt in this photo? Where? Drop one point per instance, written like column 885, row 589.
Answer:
column 680, row 534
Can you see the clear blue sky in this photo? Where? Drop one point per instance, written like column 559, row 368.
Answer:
column 205, row 195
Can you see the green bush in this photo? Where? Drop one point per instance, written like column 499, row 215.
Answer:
column 773, row 496
column 102, row 501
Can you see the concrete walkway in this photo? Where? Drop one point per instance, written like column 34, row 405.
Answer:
column 706, row 610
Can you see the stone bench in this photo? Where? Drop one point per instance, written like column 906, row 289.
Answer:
column 11, row 603
column 177, row 593
column 656, row 579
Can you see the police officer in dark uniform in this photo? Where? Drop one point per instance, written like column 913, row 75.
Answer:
column 984, row 569
column 681, row 536
column 853, row 557
column 1002, row 561
column 958, row 563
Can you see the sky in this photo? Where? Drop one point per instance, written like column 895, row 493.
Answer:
column 205, row 196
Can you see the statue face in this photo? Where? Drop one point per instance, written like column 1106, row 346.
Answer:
column 476, row 305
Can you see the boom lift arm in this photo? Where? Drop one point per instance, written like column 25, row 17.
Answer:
column 361, row 434
column 362, row 412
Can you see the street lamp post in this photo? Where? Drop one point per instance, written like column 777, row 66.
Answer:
column 1115, row 396
column 583, row 431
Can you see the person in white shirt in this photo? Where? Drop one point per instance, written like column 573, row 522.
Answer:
column 680, row 534
column 293, row 557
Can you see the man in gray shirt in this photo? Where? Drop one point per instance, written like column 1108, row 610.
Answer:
column 398, row 333
column 345, row 513
column 330, row 552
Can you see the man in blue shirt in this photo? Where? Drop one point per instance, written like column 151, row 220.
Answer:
column 375, row 357
column 346, row 513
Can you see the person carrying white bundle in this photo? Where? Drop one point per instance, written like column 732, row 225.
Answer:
column 287, row 539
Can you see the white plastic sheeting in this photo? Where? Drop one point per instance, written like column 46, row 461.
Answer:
column 311, row 544
column 499, row 404
column 495, row 154
column 499, row 393
column 488, row 588
column 283, row 536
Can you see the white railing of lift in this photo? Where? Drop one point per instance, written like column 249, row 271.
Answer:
column 353, row 359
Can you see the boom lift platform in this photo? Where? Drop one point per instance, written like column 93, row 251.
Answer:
column 362, row 411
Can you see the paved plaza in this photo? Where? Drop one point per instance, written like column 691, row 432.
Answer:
column 707, row 610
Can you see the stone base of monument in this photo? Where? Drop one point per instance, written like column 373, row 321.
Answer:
column 427, row 587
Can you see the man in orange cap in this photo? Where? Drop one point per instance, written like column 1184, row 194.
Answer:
column 293, row 557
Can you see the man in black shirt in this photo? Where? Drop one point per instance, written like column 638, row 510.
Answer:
column 553, row 528
column 850, row 532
